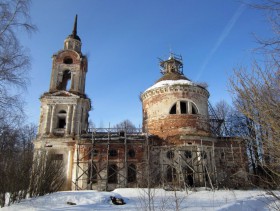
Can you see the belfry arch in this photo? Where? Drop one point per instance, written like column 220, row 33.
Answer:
column 65, row 82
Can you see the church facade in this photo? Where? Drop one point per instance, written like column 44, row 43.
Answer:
column 176, row 147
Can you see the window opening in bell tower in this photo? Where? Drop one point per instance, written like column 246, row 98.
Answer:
column 65, row 82
column 68, row 60
column 61, row 119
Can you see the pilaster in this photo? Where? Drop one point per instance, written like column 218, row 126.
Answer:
column 52, row 119
column 73, row 119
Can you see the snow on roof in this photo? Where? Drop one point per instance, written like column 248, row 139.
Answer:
column 170, row 83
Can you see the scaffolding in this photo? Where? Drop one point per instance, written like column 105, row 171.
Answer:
column 109, row 158
column 149, row 164
column 217, row 125
column 104, row 154
column 192, row 166
column 173, row 64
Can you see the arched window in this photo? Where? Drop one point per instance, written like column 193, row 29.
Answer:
column 185, row 107
column 131, row 173
column 68, row 60
column 170, row 154
column 113, row 153
column 61, row 119
column 92, row 173
column 194, row 109
column 131, row 153
column 171, row 175
column 173, row 109
column 66, row 77
column 122, row 133
column 112, row 174
column 188, row 154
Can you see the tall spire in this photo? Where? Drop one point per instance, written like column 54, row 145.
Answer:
column 74, row 32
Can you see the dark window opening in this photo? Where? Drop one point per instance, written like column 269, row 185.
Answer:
column 190, row 180
column 171, row 175
column 183, row 106
column 61, row 119
column 92, row 174
column 112, row 174
column 189, row 176
column 122, row 133
column 170, row 154
column 188, row 154
column 206, row 176
column 113, row 153
column 64, row 84
column 131, row 173
column 222, row 155
column 131, row 153
column 68, row 60
column 61, row 123
column 203, row 154
column 194, row 109
column 56, row 156
column 173, row 109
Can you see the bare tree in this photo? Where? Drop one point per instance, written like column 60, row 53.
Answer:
column 257, row 98
column 126, row 125
column 270, row 45
column 16, row 153
column 48, row 174
column 14, row 60
column 16, row 150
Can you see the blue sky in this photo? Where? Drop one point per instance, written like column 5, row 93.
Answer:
column 123, row 40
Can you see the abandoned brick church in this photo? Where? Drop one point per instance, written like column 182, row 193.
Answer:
column 178, row 146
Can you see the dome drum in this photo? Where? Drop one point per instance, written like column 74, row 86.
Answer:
column 174, row 105
column 178, row 125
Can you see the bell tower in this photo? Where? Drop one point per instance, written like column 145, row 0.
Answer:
column 65, row 107
column 69, row 66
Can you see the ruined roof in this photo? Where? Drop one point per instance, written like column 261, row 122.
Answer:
column 172, row 70
column 172, row 76
column 167, row 82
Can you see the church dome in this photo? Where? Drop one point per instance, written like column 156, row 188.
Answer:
column 172, row 70
column 175, row 106
column 170, row 79
column 74, row 36
column 172, row 76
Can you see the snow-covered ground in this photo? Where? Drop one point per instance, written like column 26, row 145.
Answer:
column 136, row 199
